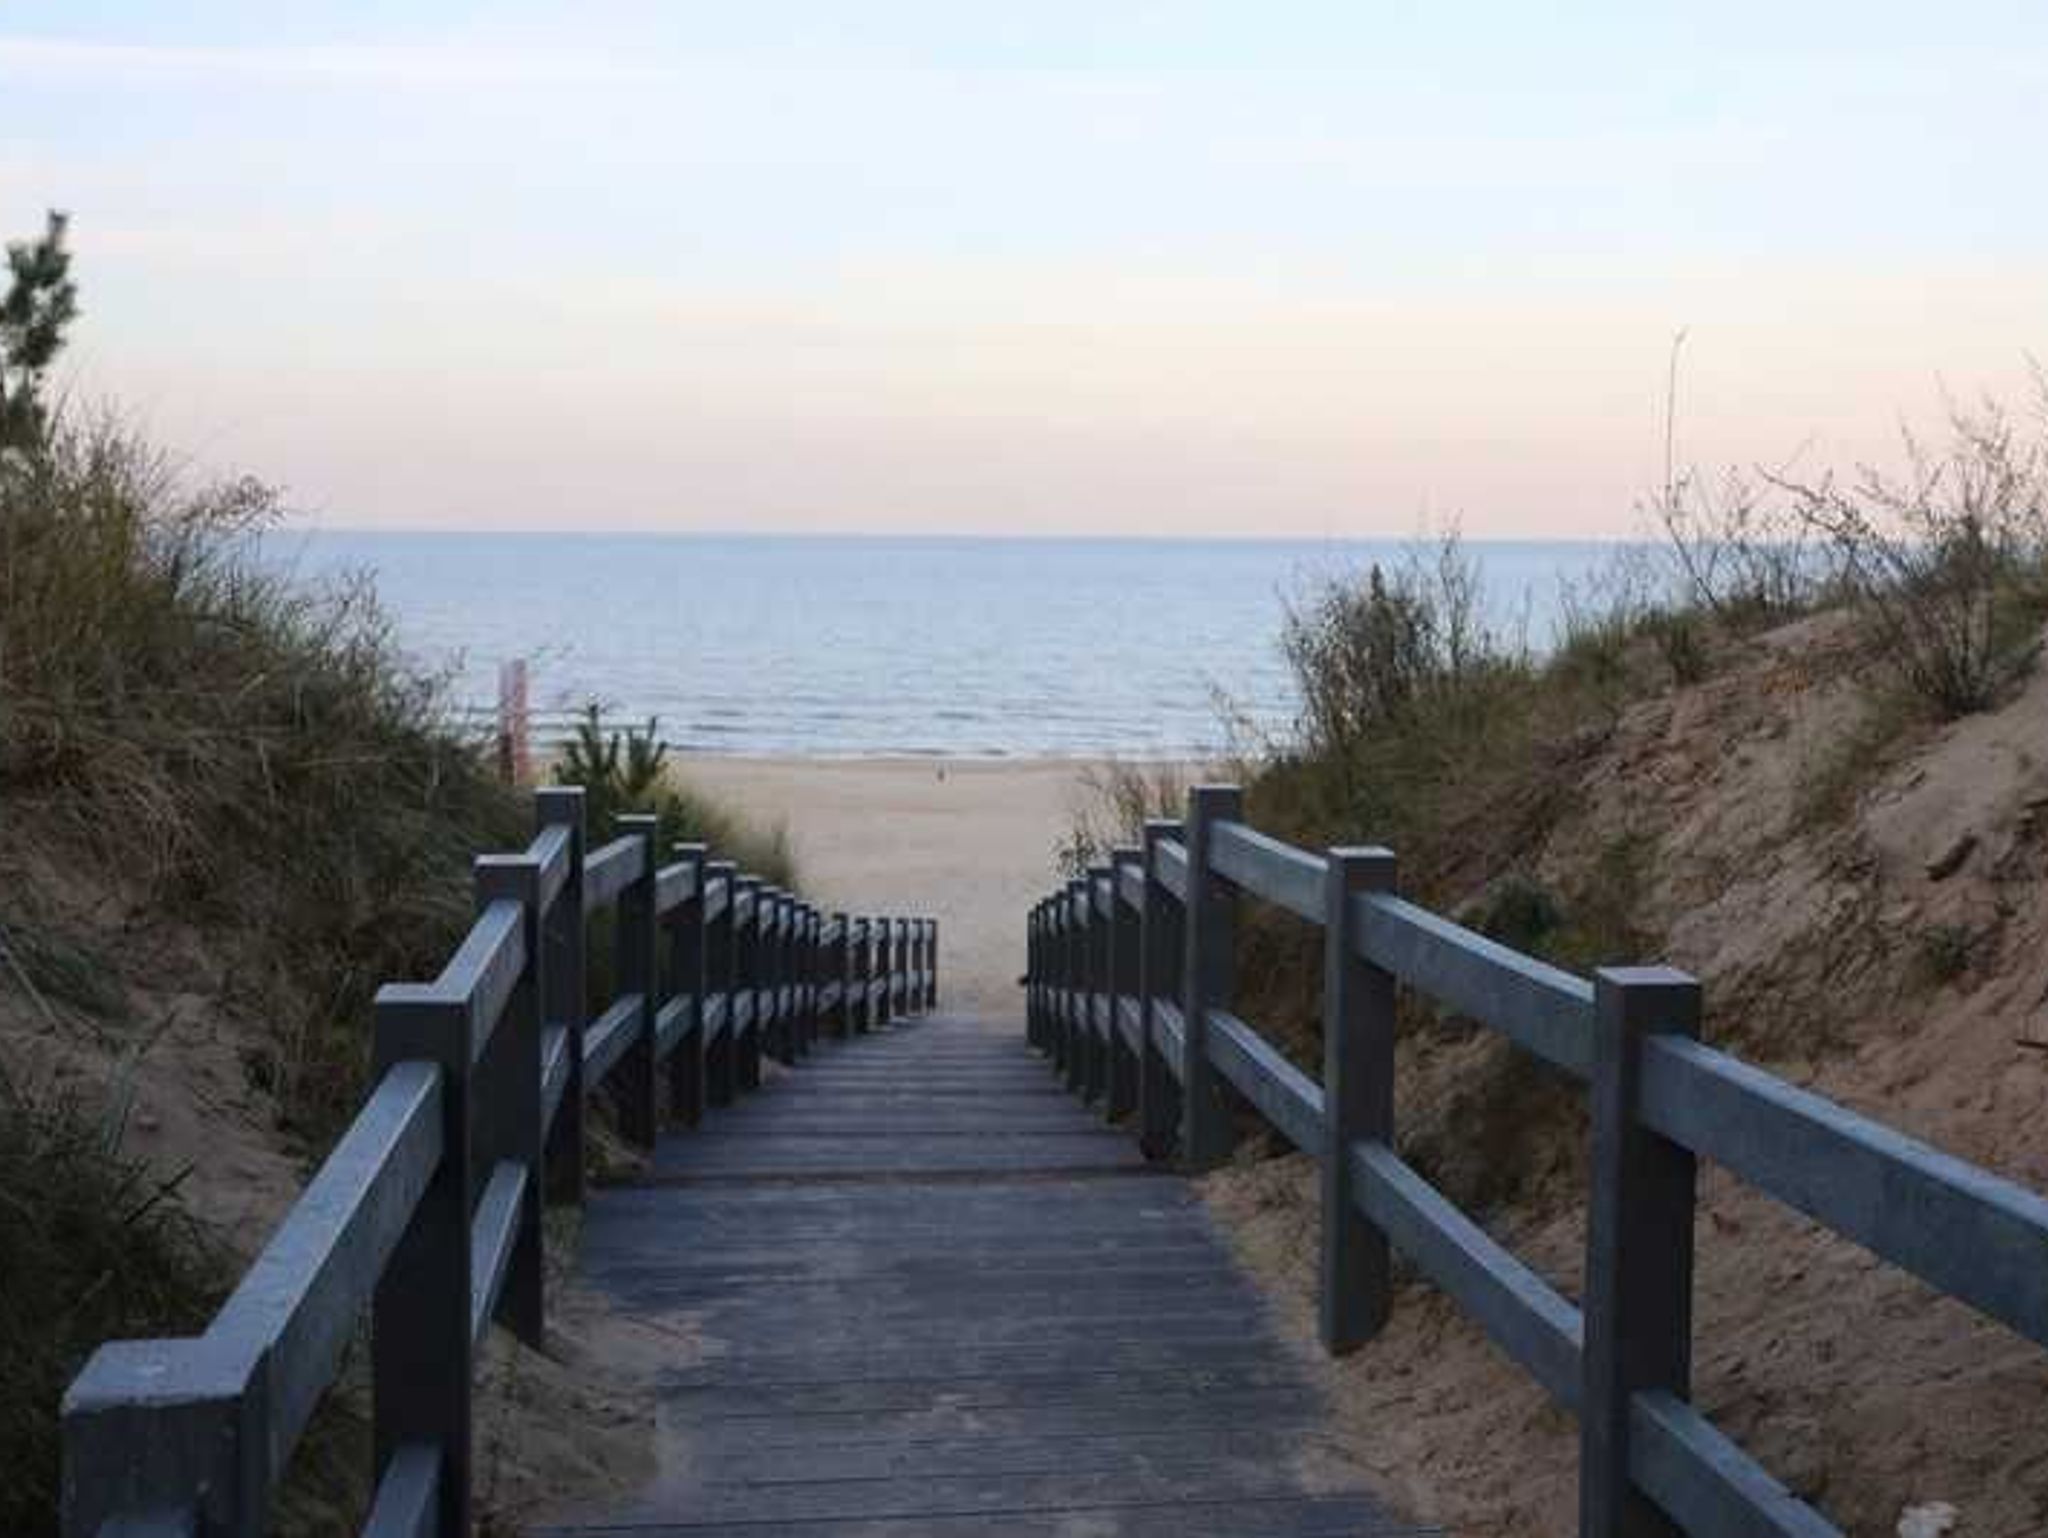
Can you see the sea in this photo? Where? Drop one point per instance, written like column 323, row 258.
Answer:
column 853, row 646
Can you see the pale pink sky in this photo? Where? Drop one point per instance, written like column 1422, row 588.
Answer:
column 1194, row 269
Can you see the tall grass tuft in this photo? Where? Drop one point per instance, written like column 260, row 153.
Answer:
column 253, row 753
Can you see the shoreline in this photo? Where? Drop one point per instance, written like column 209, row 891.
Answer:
column 969, row 842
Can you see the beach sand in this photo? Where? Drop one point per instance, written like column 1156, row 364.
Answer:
column 968, row 842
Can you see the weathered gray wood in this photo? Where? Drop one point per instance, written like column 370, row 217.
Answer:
column 1208, row 978
column 1159, row 960
column 1639, row 1249
column 1172, row 868
column 1519, row 1311
column 564, row 1000
column 553, row 853
column 1971, row 1233
column 1542, row 1009
column 484, row 972
column 633, row 1081
column 494, row 1234
column 1356, row 1281
column 903, row 1320
column 506, row 1086
column 1167, row 1026
column 1710, row 1487
column 674, row 885
column 679, row 1032
column 1288, row 1098
column 1122, row 940
column 420, row 1342
column 276, row 1343
column 1254, row 862
column 608, row 1038
column 408, row 1495
column 721, row 1052
column 610, row 868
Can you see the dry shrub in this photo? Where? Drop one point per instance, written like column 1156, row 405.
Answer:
column 1947, row 562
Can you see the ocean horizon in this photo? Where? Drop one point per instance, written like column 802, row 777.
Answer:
column 857, row 646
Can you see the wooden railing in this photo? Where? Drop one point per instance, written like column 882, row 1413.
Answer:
column 428, row 1211
column 1129, row 988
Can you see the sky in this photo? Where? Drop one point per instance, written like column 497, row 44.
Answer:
column 1073, row 267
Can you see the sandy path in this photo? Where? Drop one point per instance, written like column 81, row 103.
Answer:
column 969, row 843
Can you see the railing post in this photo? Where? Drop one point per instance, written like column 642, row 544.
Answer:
column 1160, row 949
column 931, row 965
column 857, row 973
column 814, row 971
column 834, row 969
column 885, row 971
column 1358, row 1100
column 565, row 1001
column 773, row 908
column 1639, row 1248
column 633, row 1082
column 688, row 974
column 420, row 1358
column 1123, row 983
column 1209, row 977
column 1079, row 1000
column 747, row 980
column 721, row 1057
column 509, row 1081
column 1101, row 1028
column 1031, row 975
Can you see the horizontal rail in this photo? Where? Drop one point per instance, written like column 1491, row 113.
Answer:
column 493, row 1232
column 1285, row 1096
column 551, row 851
column 672, row 1022
column 1172, row 867
column 1130, row 885
column 1968, row 1232
column 1265, row 867
column 1519, row 1311
column 297, row 1305
column 554, row 1071
column 407, row 1495
column 486, row 1068
column 1539, row 1007
column 1709, row 1485
column 1171, row 1030
column 611, row 868
column 674, row 885
column 1130, row 1023
column 608, row 1037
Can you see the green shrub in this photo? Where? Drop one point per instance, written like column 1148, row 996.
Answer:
column 627, row 771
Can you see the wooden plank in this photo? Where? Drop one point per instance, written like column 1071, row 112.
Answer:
column 492, row 1234
column 887, row 1335
column 1262, row 865
column 607, row 1039
column 1519, row 1311
column 1542, row 1009
column 1966, row 1231
column 610, row 868
column 407, row 1495
column 1288, row 1098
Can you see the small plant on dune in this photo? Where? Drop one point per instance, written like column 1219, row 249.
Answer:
column 626, row 770
column 1113, row 802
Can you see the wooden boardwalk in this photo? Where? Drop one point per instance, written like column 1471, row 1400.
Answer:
column 914, row 1289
